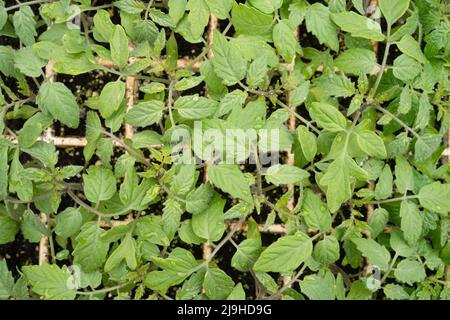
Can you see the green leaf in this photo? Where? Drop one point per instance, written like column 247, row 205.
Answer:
column 130, row 6
column 195, row 107
column 228, row 63
column 238, row 293
column 3, row 17
column 248, row 20
column 383, row 189
column 315, row 212
column 423, row 116
column 188, row 235
column 404, row 179
column 318, row 22
column 371, row 144
column 308, row 142
column 359, row 291
column 119, row 47
column 230, row 179
column 395, row 292
column 217, row 284
column 336, row 85
column 125, row 251
column 103, row 27
column 7, row 56
column 257, row 72
column 285, row 174
column 111, row 98
column 426, row 145
column 32, row 228
column 405, row 101
column 358, row 25
column 150, row 228
column 328, row 117
column 221, row 9
column 161, row 18
column 4, row 168
column 411, row 223
column 247, row 252
column 286, row 254
column 177, row 267
column 338, row 179
column 266, row 6
column 300, row 94
column 99, row 184
column 435, row 197
column 44, row 152
column 8, row 229
column 188, row 83
column 145, row 113
column 410, row 272
column 393, row 9
column 177, row 9
column 198, row 199
column 406, row 68
column 33, row 128
column 6, row 280
column 409, row 46
column 318, row 287
column 356, row 61
column 284, row 40
column 377, row 221
column 68, row 222
column 326, row 251
column 375, row 252
column 28, row 62
column 25, row 25
column 198, row 17
column 59, row 101
column 50, row 281
column 209, row 224
column 90, row 249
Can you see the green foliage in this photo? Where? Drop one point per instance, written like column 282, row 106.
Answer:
column 361, row 182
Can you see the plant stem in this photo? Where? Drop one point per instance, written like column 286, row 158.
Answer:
column 391, row 266
column 170, row 102
column 393, row 200
column 400, row 122
column 384, row 61
column 104, row 290
column 299, row 117
column 130, row 150
column 147, row 10
column 137, row 76
column 93, row 210
column 287, row 285
column 50, row 239
column 29, row 3
column 218, row 247
column 258, row 170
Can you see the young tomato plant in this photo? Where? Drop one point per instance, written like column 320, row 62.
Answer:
column 202, row 149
